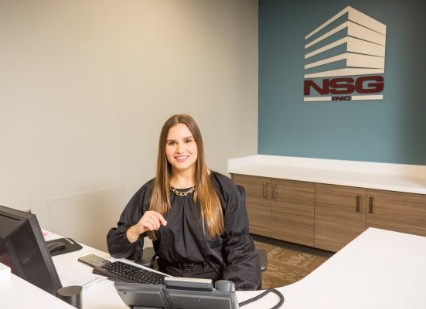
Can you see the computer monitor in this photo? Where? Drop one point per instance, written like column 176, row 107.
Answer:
column 24, row 250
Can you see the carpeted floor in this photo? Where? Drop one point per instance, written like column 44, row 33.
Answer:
column 287, row 262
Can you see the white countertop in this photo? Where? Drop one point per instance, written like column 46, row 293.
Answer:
column 18, row 293
column 372, row 175
column 378, row 269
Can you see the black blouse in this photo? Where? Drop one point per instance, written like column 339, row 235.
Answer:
column 182, row 240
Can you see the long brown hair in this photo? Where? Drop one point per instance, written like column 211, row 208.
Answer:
column 205, row 193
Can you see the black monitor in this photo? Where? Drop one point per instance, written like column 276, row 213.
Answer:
column 24, row 250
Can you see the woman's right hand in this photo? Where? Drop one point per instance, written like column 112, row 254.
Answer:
column 150, row 221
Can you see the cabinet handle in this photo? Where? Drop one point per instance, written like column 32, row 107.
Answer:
column 358, row 203
column 274, row 191
column 370, row 204
column 264, row 190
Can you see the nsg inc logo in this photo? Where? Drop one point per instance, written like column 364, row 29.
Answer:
column 345, row 59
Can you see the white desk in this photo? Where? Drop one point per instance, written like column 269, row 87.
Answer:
column 379, row 269
column 17, row 293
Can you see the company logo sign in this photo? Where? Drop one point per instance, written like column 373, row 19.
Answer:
column 345, row 59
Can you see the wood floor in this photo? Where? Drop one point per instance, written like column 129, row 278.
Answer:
column 287, row 262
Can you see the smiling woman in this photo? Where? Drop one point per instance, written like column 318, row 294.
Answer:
column 195, row 217
column 181, row 153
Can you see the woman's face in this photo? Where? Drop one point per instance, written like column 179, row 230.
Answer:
column 181, row 149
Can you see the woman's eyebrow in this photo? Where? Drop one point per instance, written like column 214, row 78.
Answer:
column 189, row 136
column 183, row 138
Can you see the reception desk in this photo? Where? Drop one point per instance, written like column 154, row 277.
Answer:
column 378, row 269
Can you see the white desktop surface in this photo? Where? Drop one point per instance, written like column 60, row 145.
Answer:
column 100, row 294
column 373, row 175
column 379, row 269
column 17, row 293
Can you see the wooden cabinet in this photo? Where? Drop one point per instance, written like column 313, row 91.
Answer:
column 397, row 211
column 339, row 215
column 342, row 213
column 293, row 211
column 280, row 208
column 327, row 216
column 257, row 203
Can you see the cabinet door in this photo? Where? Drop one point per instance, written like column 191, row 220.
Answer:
column 257, row 202
column 292, row 211
column 397, row 211
column 339, row 215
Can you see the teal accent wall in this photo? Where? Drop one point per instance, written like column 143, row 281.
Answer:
column 392, row 130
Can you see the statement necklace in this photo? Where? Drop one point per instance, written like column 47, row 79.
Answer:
column 182, row 193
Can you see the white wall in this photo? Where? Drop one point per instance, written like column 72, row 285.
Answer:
column 85, row 86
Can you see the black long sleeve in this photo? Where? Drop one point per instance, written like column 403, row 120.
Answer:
column 183, row 240
column 241, row 264
column 117, row 242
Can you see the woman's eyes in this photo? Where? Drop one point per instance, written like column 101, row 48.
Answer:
column 186, row 141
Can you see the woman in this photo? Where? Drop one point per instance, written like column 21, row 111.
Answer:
column 195, row 217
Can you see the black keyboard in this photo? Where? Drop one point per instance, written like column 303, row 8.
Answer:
column 129, row 273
